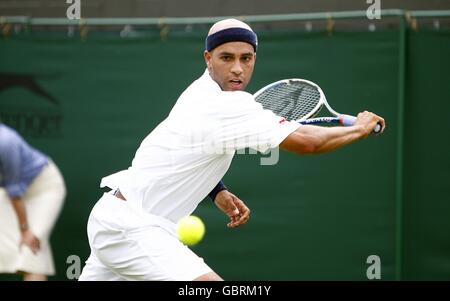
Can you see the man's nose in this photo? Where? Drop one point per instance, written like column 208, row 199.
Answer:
column 236, row 68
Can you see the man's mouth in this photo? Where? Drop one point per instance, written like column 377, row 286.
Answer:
column 236, row 83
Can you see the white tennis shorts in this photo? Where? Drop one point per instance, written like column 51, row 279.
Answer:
column 126, row 245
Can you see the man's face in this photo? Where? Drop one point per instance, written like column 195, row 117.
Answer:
column 231, row 65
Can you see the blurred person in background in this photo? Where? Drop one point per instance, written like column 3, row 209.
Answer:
column 32, row 193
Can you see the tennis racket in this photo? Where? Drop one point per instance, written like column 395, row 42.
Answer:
column 301, row 100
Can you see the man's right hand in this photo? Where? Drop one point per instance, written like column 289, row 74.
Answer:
column 368, row 121
column 30, row 240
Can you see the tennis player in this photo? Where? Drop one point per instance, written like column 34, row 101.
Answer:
column 131, row 230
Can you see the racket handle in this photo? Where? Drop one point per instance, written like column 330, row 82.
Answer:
column 348, row 120
column 377, row 128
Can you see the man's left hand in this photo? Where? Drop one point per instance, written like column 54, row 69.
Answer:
column 232, row 206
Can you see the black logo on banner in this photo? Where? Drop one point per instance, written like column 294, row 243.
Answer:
column 36, row 112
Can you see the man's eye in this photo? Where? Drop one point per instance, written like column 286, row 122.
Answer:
column 226, row 58
column 246, row 59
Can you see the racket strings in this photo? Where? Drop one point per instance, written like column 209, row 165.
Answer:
column 291, row 100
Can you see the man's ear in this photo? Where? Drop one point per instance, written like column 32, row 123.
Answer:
column 207, row 57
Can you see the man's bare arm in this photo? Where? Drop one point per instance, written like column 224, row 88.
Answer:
column 309, row 139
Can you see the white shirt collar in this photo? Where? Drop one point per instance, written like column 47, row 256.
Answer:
column 206, row 77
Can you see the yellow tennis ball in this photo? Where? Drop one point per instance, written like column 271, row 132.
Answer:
column 190, row 230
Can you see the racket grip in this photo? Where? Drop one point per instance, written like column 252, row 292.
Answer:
column 348, row 120
column 377, row 128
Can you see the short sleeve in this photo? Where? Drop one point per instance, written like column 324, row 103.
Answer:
column 244, row 123
column 10, row 161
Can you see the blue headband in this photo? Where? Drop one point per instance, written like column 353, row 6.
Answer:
column 234, row 34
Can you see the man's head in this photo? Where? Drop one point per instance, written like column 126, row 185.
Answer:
column 230, row 54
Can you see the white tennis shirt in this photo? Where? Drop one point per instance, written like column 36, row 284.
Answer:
column 187, row 154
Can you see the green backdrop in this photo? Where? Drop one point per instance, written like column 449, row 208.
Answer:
column 313, row 217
